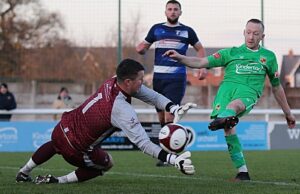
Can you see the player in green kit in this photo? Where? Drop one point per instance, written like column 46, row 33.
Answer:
column 246, row 67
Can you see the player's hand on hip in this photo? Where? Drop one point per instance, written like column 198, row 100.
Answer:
column 202, row 73
column 180, row 111
column 291, row 121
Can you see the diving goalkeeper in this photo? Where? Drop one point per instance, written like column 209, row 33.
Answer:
column 78, row 136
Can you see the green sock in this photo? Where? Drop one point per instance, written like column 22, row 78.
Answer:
column 227, row 113
column 235, row 150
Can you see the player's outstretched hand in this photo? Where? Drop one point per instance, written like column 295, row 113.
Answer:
column 184, row 163
column 180, row 111
column 291, row 121
column 173, row 54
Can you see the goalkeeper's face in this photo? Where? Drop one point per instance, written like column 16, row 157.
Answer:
column 172, row 13
column 135, row 84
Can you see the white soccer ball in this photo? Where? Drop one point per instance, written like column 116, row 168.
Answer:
column 173, row 138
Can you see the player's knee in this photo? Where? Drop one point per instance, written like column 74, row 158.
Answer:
column 110, row 163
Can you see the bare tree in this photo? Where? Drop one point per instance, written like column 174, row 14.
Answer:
column 25, row 24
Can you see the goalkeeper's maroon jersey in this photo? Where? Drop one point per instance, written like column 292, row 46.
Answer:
column 109, row 108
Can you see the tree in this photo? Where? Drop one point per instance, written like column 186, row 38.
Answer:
column 25, row 24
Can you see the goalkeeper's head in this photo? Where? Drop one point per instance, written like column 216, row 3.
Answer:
column 130, row 75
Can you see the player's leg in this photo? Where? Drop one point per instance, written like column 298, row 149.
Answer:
column 90, row 165
column 41, row 155
column 174, row 90
column 227, row 118
column 236, row 154
column 232, row 101
column 158, row 85
column 242, row 107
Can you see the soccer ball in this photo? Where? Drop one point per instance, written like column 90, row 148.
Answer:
column 173, row 138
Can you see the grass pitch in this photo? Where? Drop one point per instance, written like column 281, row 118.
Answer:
column 135, row 173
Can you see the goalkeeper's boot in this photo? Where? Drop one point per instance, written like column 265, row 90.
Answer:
column 223, row 123
column 242, row 176
column 48, row 179
column 21, row 177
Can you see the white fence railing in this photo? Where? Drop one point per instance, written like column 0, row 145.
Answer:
column 265, row 112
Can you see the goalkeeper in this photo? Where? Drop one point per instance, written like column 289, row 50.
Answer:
column 246, row 67
column 78, row 136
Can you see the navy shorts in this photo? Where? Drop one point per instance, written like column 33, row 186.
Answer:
column 173, row 89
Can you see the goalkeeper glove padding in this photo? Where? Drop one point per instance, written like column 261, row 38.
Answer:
column 182, row 162
column 180, row 111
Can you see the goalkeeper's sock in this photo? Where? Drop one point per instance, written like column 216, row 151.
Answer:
column 227, row 113
column 27, row 168
column 69, row 178
column 236, row 152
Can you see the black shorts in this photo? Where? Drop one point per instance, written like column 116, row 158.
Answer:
column 173, row 89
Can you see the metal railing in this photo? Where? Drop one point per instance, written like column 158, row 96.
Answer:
column 265, row 112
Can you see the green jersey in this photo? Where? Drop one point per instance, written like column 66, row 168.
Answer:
column 247, row 67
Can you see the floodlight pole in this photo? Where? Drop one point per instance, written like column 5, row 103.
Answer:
column 119, row 34
column 262, row 18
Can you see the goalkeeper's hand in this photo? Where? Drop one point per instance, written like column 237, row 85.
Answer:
column 180, row 111
column 182, row 162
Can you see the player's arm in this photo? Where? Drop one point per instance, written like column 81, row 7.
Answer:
column 193, row 62
column 202, row 73
column 124, row 117
column 154, row 98
column 282, row 101
column 142, row 47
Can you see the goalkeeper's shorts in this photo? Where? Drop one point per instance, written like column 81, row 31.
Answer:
column 230, row 91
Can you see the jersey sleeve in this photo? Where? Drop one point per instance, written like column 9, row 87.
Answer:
column 151, row 97
column 272, row 72
column 218, row 59
column 150, row 38
column 125, row 118
column 193, row 38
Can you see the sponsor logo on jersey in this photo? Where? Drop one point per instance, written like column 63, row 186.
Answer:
column 183, row 34
column 248, row 68
column 169, row 44
column 216, row 55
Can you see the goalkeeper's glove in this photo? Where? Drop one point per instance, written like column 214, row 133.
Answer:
column 180, row 111
column 182, row 162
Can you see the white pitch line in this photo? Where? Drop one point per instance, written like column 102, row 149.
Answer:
column 165, row 176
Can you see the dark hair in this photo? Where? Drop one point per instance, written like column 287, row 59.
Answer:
column 61, row 90
column 257, row 21
column 173, row 2
column 4, row 85
column 128, row 69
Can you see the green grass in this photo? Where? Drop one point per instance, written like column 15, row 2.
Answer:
column 134, row 173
